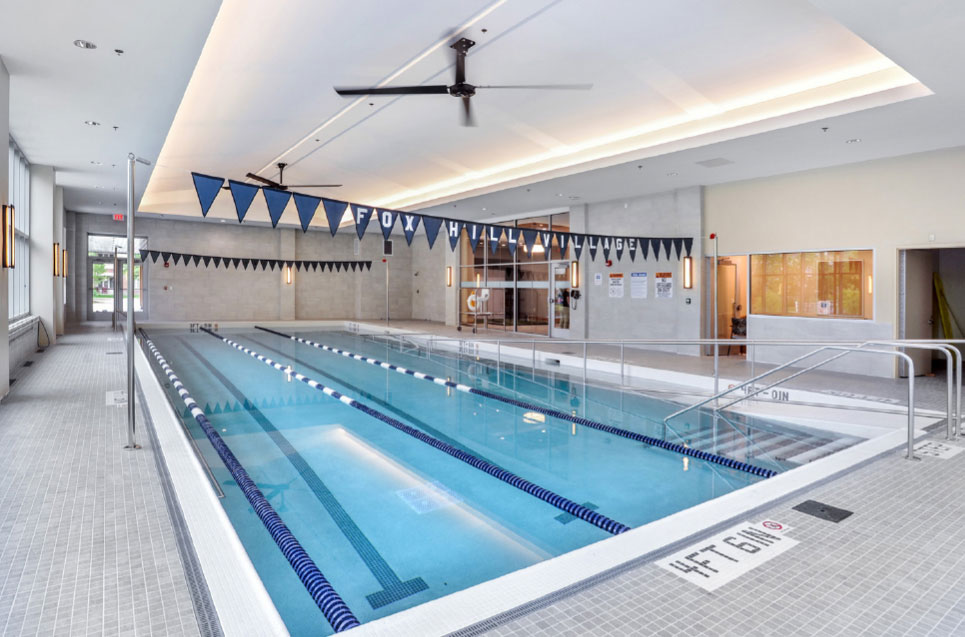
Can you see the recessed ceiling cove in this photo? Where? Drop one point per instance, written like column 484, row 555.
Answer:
column 665, row 75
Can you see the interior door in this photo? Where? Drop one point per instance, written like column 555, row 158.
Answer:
column 917, row 304
column 560, row 301
column 726, row 297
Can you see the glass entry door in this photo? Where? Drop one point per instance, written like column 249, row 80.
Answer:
column 108, row 288
column 560, row 300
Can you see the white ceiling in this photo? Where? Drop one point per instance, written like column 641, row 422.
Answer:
column 55, row 87
column 675, row 83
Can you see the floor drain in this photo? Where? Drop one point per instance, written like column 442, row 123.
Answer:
column 823, row 511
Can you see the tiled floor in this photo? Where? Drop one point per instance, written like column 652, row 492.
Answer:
column 86, row 542
column 895, row 567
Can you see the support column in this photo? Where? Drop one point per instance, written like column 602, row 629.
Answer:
column 43, row 286
column 286, row 297
column 5, row 199
column 60, row 237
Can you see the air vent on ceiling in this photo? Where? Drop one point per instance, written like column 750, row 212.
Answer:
column 714, row 163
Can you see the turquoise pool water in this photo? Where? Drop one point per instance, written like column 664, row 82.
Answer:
column 393, row 522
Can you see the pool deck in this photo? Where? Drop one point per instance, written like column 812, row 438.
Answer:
column 89, row 545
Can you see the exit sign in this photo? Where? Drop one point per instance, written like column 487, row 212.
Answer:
column 118, row 217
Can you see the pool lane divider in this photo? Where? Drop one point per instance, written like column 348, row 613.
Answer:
column 592, row 424
column 335, row 610
column 556, row 500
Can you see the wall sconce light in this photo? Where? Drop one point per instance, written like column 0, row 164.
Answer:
column 871, row 285
column 574, row 274
column 478, row 280
column 288, row 274
column 56, row 259
column 63, row 267
column 9, row 241
column 688, row 273
column 448, row 276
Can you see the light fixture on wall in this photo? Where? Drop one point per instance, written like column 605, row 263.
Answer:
column 688, row 273
column 56, row 258
column 478, row 280
column 63, row 267
column 574, row 274
column 9, row 243
column 448, row 276
column 288, row 274
column 871, row 285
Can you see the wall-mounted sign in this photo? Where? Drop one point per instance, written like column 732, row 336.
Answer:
column 638, row 285
column 663, row 285
column 598, row 279
column 118, row 216
column 616, row 285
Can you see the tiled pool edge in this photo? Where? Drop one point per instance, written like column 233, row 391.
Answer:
column 237, row 592
column 490, row 603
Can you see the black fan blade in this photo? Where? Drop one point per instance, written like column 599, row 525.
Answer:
column 395, row 90
column 313, row 185
column 557, row 87
column 467, row 119
column 266, row 181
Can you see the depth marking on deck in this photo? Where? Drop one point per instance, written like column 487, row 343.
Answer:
column 726, row 556
column 115, row 398
column 935, row 449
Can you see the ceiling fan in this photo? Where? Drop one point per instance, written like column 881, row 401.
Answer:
column 460, row 89
column 279, row 185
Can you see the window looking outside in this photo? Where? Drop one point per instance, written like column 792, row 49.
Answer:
column 837, row 284
column 18, row 281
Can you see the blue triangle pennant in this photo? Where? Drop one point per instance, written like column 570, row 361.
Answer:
column 529, row 238
column 306, row 206
column 607, row 245
column 431, row 226
column 362, row 215
column 688, row 245
column 454, row 229
column 666, row 247
column 631, row 247
column 474, row 232
column 387, row 221
column 677, row 245
column 563, row 239
column 655, row 246
column 546, row 240
column 410, row 223
column 334, row 211
column 276, row 200
column 242, row 194
column 593, row 242
column 207, row 188
column 494, row 233
column 618, row 245
column 645, row 247
column 512, row 239
column 576, row 240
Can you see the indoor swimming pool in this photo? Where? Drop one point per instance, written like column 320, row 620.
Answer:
column 393, row 520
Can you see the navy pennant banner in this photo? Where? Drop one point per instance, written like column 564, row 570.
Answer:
column 688, row 244
column 144, row 255
column 177, row 258
column 197, row 259
column 207, row 261
column 607, row 244
column 242, row 194
column 314, row 266
column 474, row 231
column 453, row 228
column 512, row 239
column 235, row 261
column 368, row 265
column 276, row 200
column 655, row 246
column 431, row 225
column 154, row 255
column 361, row 214
column 207, row 188
column 546, row 239
column 563, row 239
column 410, row 223
column 334, row 211
column 245, row 262
column 298, row 265
column 217, row 261
column 576, row 241
column 354, row 266
column 166, row 256
column 338, row 266
column 593, row 243
column 618, row 246
column 677, row 245
column 666, row 247
column 529, row 240
column 387, row 221
column 644, row 248
column 263, row 263
column 632, row 248
column 306, row 206
column 495, row 233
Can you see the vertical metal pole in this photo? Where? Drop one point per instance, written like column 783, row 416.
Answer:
column 911, row 409
column 386, row 292
column 584, row 364
column 498, row 360
column 958, row 384
column 130, row 303
column 716, row 333
column 622, row 362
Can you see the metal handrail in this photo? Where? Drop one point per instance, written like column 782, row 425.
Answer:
column 844, row 351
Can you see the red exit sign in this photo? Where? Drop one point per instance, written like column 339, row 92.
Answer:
column 118, row 216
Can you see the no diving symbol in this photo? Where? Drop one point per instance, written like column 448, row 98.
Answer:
column 774, row 526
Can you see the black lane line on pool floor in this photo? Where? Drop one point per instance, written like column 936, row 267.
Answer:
column 393, row 589
column 592, row 424
column 421, row 424
column 564, row 504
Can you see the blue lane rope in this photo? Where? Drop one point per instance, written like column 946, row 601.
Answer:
column 616, row 431
column 336, row 611
column 558, row 501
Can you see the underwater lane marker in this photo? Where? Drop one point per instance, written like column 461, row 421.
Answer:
column 727, row 555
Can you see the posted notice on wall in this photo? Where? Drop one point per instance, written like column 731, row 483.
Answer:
column 638, row 285
column 598, row 279
column 663, row 285
column 616, row 285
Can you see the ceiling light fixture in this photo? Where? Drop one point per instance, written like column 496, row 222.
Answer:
column 672, row 174
column 854, row 140
column 84, row 44
column 96, row 163
column 91, row 122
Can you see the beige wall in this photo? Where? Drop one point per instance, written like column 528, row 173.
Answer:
column 886, row 205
